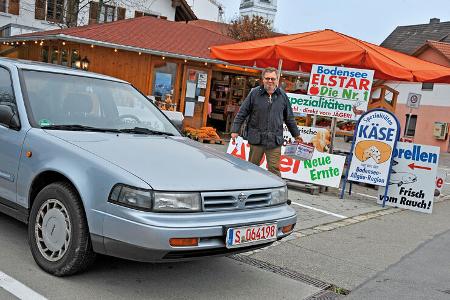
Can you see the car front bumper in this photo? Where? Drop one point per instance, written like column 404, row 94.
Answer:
column 148, row 240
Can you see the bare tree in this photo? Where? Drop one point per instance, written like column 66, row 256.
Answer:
column 250, row 28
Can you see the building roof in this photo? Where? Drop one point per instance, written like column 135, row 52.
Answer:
column 144, row 33
column 440, row 47
column 408, row 39
column 221, row 28
column 217, row 27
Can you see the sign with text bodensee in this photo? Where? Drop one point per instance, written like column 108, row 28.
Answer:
column 375, row 138
column 413, row 176
column 339, row 82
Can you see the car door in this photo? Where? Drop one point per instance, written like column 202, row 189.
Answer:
column 10, row 142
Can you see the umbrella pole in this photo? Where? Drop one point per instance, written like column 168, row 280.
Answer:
column 280, row 64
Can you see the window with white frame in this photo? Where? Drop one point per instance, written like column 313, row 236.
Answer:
column 410, row 126
column 107, row 13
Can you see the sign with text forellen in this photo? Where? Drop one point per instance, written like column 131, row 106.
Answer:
column 412, row 180
column 375, row 138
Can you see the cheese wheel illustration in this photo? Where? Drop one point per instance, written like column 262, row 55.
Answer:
column 376, row 150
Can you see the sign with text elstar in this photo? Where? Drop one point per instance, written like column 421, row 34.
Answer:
column 341, row 83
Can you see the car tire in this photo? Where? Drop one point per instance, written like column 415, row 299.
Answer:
column 58, row 232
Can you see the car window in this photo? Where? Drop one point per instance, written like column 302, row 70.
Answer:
column 6, row 89
column 60, row 99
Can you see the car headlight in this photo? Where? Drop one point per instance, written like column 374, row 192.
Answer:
column 174, row 202
column 279, row 195
column 131, row 197
column 149, row 200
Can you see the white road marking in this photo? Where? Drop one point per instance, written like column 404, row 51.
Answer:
column 368, row 196
column 18, row 289
column 361, row 194
column 320, row 210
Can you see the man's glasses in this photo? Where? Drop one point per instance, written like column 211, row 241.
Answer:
column 269, row 79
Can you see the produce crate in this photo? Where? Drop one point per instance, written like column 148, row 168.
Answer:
column 210, row 141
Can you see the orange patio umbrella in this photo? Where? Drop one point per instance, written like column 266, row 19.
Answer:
column 297, row 52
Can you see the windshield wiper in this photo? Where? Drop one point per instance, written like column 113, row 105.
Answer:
column 142, row 130
column 76, row 127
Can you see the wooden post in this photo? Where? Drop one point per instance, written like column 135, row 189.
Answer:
column 280, row 65
column 333, row 133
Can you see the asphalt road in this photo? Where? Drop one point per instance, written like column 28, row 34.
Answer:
column 111, row 278
column 312, row 250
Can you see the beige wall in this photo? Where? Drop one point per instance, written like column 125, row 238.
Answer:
column 433, row 56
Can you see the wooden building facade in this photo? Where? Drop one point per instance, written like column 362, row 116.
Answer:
column 175, row 71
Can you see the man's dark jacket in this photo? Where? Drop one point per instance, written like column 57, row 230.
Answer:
column 265, row 123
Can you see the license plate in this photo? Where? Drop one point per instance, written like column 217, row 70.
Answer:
column 250, row 235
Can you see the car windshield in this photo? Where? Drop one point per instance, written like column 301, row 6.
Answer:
column 67, row 102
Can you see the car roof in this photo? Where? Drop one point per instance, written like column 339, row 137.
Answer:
column 46, row 67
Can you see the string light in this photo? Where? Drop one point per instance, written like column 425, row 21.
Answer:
column 115, row 50
column 63, row 43
column 92, row 46
column 206, row 63
column 35, row 42
column 163, row 57
column 140, row 53
column 23, row 43
column 185, row 60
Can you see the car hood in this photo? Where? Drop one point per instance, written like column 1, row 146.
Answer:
column 172, row 163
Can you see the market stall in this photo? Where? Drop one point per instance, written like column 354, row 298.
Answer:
column 342, row 70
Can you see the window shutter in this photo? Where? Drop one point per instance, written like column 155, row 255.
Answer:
column 121, row 13
column 39, row 10
column 93, row 12
column 14, row 7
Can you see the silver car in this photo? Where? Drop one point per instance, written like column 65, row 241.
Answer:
column 92, row 166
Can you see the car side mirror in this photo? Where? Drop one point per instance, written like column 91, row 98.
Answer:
column 8, row 117
column 175, row 117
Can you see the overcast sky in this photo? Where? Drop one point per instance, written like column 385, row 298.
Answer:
column 369, row 20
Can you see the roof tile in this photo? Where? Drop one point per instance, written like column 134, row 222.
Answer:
column 408, row 39
column 149, row 33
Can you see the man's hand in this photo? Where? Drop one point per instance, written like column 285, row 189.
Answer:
column 234, row 136
column 298, row 139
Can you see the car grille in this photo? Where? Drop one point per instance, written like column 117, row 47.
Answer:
column 231, row 200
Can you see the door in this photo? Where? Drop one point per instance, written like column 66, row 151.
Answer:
column 195, row 96
column 10, row 142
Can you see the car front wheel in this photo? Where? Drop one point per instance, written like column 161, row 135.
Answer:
column 58, row 232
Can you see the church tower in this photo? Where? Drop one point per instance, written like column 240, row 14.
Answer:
column 263, row 8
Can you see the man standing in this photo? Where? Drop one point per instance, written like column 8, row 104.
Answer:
column 266, row 108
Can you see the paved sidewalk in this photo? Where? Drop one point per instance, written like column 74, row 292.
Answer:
column 422, row 274
column 349, row 252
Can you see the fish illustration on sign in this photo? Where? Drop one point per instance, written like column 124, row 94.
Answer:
column 401, row 178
